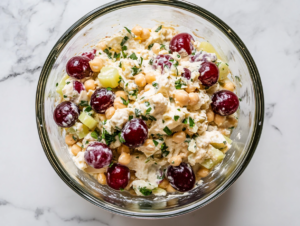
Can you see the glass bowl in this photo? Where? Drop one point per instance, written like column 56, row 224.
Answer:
column 186, row 17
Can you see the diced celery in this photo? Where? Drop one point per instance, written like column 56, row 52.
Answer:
column 223, row 71
column 229, row 141
column 159, row 192
column 61, row 84
column 82, row 133
column 218, row 145
column 109, row 77
column 218, row 155
column 87, row 120
column 207, row 47
column 207, row 163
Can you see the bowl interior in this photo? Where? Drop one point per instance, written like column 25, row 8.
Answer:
column 106, row 22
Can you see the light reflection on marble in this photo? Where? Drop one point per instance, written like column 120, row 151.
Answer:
column 266, row 194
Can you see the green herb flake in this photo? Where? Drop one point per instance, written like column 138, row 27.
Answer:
column 238, row 78
column 87, row 142
column 171, row 99
column 178, row 109
column 123, row 53
column 67, row 83
column 240, row 99
column 224, row 142
column 121, row 189
column 162, row 46
column 117, row 55
column 191, row 122
column 147, row 103
column 133, row 56
column 155, row 143
column 125, row 102
column 137, row 112
column 56, row 84
column 110, row 165
column 145, row 191
column 151, row 61
column 88, row 109
column 74, row 138
column 130, row 117
column 176, row 117
column 150, row 46
column 152, row 118
column 95, row 135
column 178, row 56
column 135, row 70
column 129, row 31
column 120, row 65
column 122, row 140
column 108, row 88
column 158, row 29
column 124, row 40
column 148, row 111
column 65, row 96
column 137, row 157
column 109, row 54
column 155, row 84
column 167, row 131
column 141, row 61
column 109, row 138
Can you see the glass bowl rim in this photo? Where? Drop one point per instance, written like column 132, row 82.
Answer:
column 115, row 5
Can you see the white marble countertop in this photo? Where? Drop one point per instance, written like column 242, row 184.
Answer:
column 267, row 193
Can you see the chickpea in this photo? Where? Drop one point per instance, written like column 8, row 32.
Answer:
column 229, row 86
column 170, row 189
column 156, row 48
column 190, row 88
column 146, row 34
column 110, row 112
column 124, row 158
column 210, row 115
column 140, row 80
column 118, row 103
column 193, row 98
column 75, row 149
column 176, row 160
column 182, row 97
column 96, row 64
column 69, row 139
column 150, row 78
column 102, row 178
column 219, row 119
column 89, row 85
column 137, row 30
column 122, row 94
column 179, row 137
column 149, row 144
column 164, row 184
column 123, row 148
column 101, row 45
column 203, row 172
column 147, row 87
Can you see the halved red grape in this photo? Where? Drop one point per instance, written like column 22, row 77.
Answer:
column 224, row 102
column 98, row 155
column 90, row 55
column 206, row 57
column 78, row 86
column 66, row 114
column 181, row 177
column 78, row 67
column 182, row 43
column 162, row 61
column 209, row 74
column 186, row 74
column 118, row 176
column 102, row 99
column 135, row 133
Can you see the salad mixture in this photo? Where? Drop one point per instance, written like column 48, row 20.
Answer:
column 149, row 111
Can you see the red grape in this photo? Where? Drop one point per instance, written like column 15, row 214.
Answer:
column 66, row 114
column 90, row 55
column 98, row 155
column 181, row 177
column 135, row 133
column 224, row 102
column 162, row 61
column 186, row 74
column 182, row 42
column 118, row 176
column 209, row 74
column 102, row 99
column 78, row 67
column 78, row 86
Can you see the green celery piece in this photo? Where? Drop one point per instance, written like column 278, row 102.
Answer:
column 87, row 120
column 85, row 130
column 61, row 85
column 207, row 163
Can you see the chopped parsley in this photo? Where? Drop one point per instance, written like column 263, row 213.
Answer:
column 123, row 53
column 238, row 78
column 158, row 29
column 148, row 111
column 150, row 46
column 133, row 92
column 65, row 96
column 137, row 112
column 178, row 56
column 224, row 142
column 67, row 83
column 135, row 70
column 147, row 160
column 179, row 84
column 109, row 54
column 130, row 117
column 108, row 88
column 162, row 46
column 120, row 79
column 176, row 117
column 133, row 56
column 145, row 191
column 87, row 142
column 121, row 189
column 240, row 99
column 120, row 65
column 122, row 140
column 167, row 131
column 218, row 63
column 124, row 40
column 74, row 138
column 147, row 103
column 141, row 61
column 95, row 135
column 125, row 102
column 191, row 122
column 155, row 84
column 171, row 99
column 152, row 118
column 108, row 137
column 110, row 165
column 88, row 109
column 151, row 61
column 117, row 55
column 129, row 31
column 56, row 84
column 178, row 109
column 137, row 157
column 163, row 149
column 155, row 143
